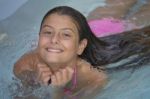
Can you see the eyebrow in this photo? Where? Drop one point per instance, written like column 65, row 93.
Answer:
column 47, row 26
column 61, row 29
column 68, row 29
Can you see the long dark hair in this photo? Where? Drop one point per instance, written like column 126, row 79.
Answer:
column 110, row 49
column 130, row 49
column 94, row 46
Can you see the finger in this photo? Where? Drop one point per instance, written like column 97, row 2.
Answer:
column 41, row 67
column 70, row 72
column 45, row 80
column 53, row 80
column 41, row 70
column 59, row 77
column 44, row 71
column 43, row 74
column 64, row 75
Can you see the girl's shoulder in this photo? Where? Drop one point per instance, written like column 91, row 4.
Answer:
column 91, row 80
column 28, row 58
column 86, row 67
column 92, row 74
column 26, row 62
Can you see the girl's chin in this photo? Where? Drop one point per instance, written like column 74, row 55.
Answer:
column 53, row 55
column 53, row 61
column 56, row 63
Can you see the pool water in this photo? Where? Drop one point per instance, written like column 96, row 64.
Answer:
column 19, row 34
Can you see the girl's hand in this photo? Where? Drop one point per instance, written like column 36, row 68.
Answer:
column 58, row 79
column 62, row 77
column 43, row 74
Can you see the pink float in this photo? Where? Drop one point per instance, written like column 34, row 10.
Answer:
column 107, row 26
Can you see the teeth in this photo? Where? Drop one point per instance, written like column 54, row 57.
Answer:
column 54, row 50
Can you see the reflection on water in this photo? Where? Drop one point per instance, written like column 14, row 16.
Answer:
column 19, row 32
column 121, row 85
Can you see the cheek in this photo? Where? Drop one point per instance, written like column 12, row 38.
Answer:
column 72, row 46
column 42, row 41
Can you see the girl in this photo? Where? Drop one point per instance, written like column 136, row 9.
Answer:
column 65, row 57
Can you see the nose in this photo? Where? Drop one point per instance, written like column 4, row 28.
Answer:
column 55, row 38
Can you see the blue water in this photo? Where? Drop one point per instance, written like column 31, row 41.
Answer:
column 128, row 85
column 18, row 34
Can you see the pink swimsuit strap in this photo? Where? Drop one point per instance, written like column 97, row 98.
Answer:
column 68, row 91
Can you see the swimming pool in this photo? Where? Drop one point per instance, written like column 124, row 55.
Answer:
column 18, row 34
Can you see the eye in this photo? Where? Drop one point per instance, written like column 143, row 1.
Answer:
column 46, row 33
column 67, row 35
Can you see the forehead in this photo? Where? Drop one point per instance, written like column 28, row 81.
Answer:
column 58, row 20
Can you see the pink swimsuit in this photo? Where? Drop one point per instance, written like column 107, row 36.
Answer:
column 68, row 91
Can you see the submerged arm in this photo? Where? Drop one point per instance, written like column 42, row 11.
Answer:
column 24, row 68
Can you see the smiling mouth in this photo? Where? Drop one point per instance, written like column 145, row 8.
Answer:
column 54, row 50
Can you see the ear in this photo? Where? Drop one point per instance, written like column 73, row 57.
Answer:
column 82, row 46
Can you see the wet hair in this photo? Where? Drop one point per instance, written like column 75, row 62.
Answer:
column 110, row 49
column 94, row 46
column 129, row 50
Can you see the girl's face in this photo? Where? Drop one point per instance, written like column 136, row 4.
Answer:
column 59, row 40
